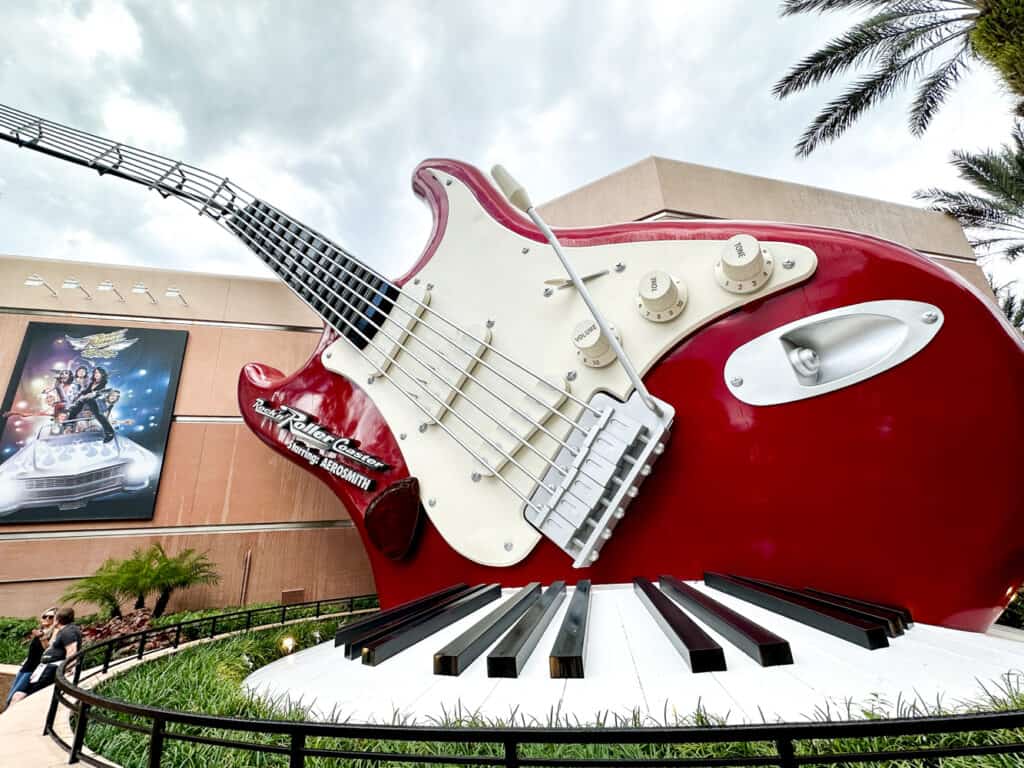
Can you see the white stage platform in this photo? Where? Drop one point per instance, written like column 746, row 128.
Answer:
column 631, row 667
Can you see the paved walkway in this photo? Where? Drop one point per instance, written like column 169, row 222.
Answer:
column 22, row 744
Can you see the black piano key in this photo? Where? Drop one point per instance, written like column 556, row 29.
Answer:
column 570, row 648
column 764, row 647
column 354, row 646
column 700, row 652
column 455, row 657
column 383, row 648
column 511, row 653
column 867, row 605
column 377, row 620
column 870, row 635
column 893, row 626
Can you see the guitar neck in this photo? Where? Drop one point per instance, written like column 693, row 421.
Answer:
column 346, row 294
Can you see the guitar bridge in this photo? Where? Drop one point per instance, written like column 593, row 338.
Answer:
column 586, row 491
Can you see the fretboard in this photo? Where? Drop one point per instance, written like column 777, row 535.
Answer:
column 345, row 293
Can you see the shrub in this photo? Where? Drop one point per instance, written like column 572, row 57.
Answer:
column 14, row 639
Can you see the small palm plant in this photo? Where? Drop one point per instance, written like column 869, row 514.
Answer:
column 137, row 574
column 931, row 41
column 186, row 569
column 103, row 588
column 995, row 215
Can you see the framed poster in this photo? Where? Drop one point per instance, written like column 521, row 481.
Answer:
column 84, row 422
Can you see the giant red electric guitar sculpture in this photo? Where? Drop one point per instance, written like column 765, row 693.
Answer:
column 823, row 408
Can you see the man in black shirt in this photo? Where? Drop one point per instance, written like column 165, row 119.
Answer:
column 67, row 641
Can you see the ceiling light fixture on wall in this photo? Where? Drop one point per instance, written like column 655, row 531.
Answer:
column 173, row 293
column 71, row 283
column 108, row 285
column 141, row 288
column 34, row 281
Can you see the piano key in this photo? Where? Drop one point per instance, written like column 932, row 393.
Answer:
column 699, row 651
column 383, row 648
column 764, row 647
column 463, row 650
column 509, row 656
column 903, row 613
column 354, row 645
column 892, row 628
column 867, row 634
column 570, row 648
column 342, row 635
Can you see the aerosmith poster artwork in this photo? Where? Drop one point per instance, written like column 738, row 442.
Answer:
column 85, row 421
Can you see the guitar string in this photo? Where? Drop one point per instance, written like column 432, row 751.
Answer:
column 226, row 187
column 414, row 399
column 399, row 345
column 509, row 456
column 499, row 423
column 537, row 424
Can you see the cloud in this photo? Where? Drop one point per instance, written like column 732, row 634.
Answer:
column 325, row 110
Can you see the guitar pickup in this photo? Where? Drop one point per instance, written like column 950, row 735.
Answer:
column 411, row 303
column 548, row 396
column 446, row 379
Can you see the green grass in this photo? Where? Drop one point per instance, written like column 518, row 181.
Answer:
column 207, row 678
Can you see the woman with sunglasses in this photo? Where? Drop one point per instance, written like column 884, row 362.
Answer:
column 40, row 640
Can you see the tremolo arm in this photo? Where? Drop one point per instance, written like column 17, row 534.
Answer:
column 584, row 494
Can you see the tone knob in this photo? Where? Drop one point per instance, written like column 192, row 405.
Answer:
column 660, row 297
column 743, row 266
column 591, row 345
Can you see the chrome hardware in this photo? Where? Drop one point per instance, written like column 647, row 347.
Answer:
column 830, row 350
column 581, row 498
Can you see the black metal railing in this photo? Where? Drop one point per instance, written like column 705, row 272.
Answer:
column 788, row 744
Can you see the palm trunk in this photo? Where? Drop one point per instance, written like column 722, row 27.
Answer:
column 140, row 601
column 161, row 602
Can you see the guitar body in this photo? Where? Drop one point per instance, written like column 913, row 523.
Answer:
column 902, row 488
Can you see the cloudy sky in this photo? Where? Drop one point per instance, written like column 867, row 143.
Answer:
column 324, row 108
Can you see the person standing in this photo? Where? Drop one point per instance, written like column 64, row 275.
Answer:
column 67, row 641
column 89, row 398
column 41, row 636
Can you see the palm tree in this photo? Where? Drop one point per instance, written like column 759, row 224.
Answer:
column 997, row 213
column 1011, row 305
column 186, row 569
column 930, row 41
column 103, row 588
column 137, row 574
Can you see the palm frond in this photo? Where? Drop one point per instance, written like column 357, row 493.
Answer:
column 899, row 41
column 969, row 209
column 934, row 90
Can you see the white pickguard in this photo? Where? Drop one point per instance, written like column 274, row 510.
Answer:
column 481, row 272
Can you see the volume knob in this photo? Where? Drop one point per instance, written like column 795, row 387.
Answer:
column 743, row 266
column 591, row 345
column 660, row 297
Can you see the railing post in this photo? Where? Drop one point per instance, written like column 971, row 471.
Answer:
column 284, row 609
column 787, row 755
column 213, row 627
column 142, row 646
column 108, row 654
column 79, row 740
column 297, row 756
column 156, row 743
column 318, row 609
column 79, row 663
column 248, row 620
column 51, row 713
column 511, row 753
column 177, row 636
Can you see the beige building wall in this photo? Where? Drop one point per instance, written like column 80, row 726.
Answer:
column 222, row 491
column 658, row 188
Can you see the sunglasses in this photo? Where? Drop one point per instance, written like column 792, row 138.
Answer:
column 46, row 616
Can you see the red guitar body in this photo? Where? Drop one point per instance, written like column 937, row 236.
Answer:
column 905, row 488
